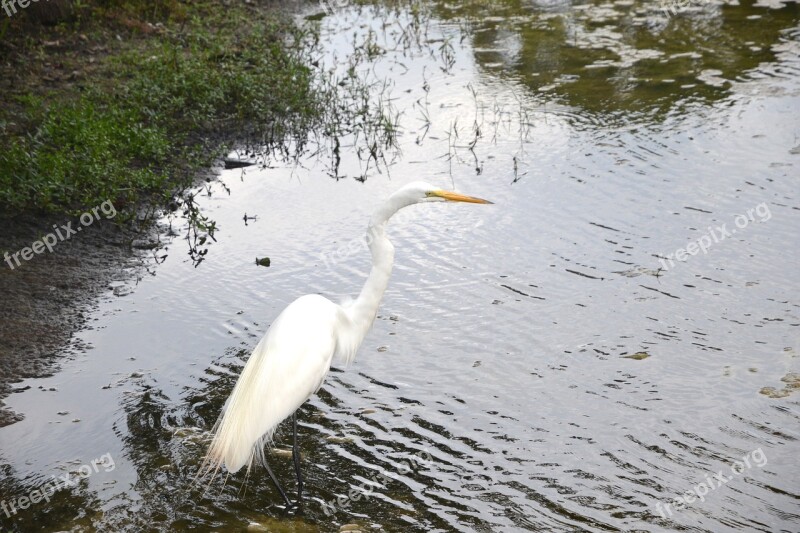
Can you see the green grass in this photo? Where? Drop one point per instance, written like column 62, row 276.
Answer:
column 172, row 102
column 82, row 154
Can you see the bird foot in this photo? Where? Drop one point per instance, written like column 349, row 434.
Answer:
column 294, row 506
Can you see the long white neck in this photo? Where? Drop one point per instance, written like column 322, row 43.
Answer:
column 364, row 309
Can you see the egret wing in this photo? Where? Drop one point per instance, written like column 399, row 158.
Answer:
column 287, row 366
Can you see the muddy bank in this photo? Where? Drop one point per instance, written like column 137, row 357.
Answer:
column 47, row 298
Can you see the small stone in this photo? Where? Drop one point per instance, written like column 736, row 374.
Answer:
column 286, row 454
column 339, row 440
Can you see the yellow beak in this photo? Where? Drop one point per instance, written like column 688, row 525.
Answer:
column 456, row 197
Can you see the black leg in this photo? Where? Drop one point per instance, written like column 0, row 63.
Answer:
column 296, row 457
column 278, row 485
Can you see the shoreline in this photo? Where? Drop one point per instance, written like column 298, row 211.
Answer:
column 67, row 63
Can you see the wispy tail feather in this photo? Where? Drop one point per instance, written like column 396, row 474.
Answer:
column 238, row 434
column 285, row 368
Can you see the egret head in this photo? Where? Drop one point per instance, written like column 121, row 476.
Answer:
column 419, row 192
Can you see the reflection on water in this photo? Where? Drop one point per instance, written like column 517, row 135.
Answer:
column 623, row 58
column 537, row 355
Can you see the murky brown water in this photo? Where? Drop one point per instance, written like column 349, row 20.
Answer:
column 534, row 366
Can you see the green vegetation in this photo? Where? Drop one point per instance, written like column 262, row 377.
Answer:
column 156, row 109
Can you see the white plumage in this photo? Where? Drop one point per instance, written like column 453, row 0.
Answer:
column 287, row 366
column 290, row 363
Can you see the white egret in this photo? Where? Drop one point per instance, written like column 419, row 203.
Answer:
column 291, row 361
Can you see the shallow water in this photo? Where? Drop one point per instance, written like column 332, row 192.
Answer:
column 535, row 364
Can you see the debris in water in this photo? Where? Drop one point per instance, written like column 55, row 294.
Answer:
column 236, row 163
column 264, row 261
column 638, row 356
column 792, row 380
